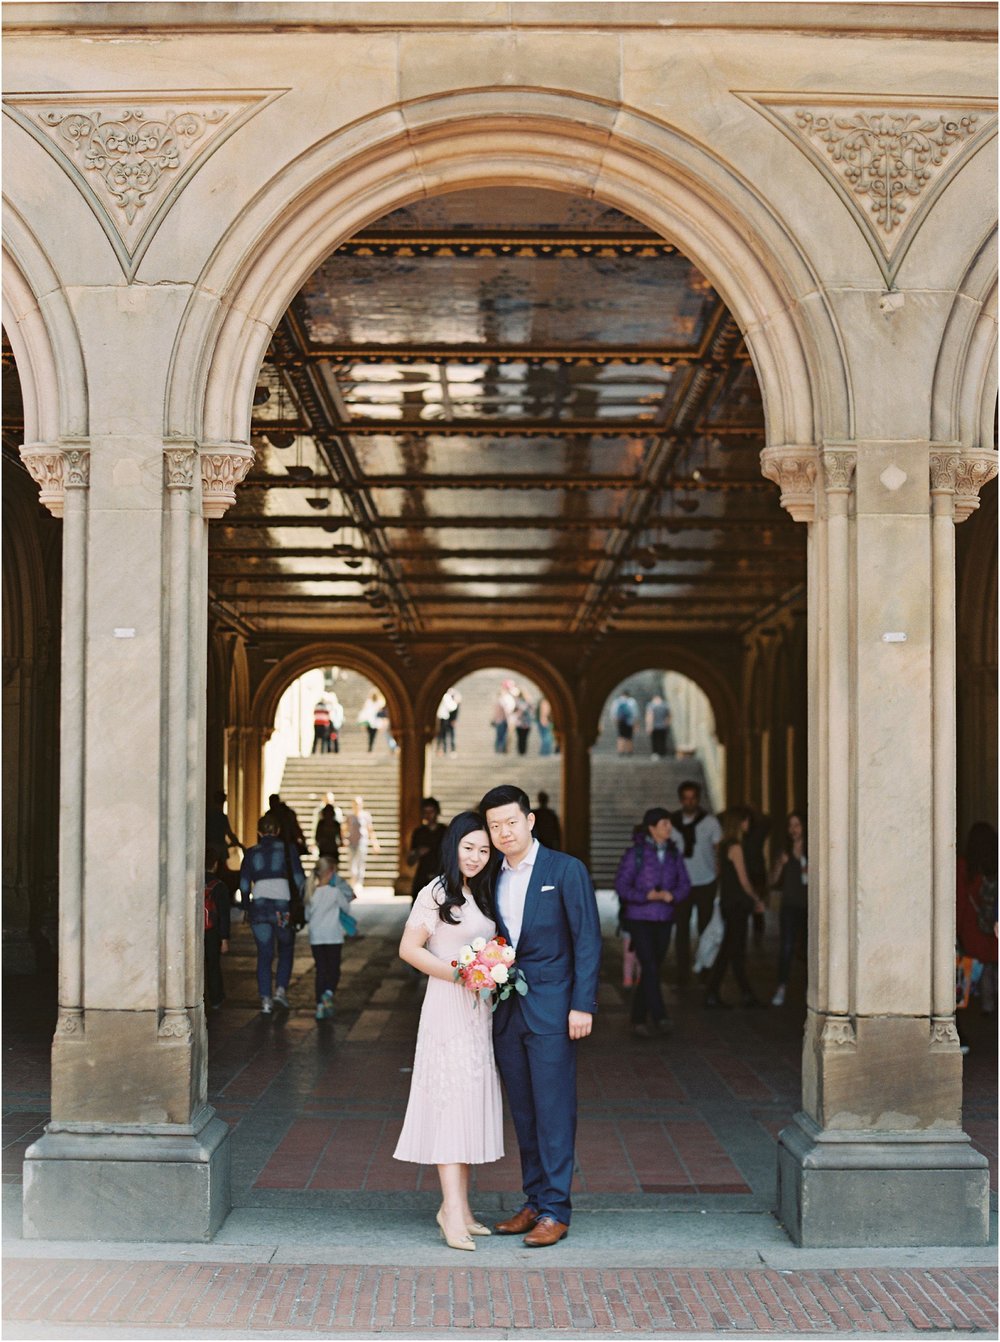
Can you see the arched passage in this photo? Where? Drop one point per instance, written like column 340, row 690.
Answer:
column 453, row 142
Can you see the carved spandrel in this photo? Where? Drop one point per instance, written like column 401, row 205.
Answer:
column 131, row 154
column 888, row 159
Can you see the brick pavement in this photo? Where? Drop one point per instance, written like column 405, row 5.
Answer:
column 568, row 1302
column 665, row 1125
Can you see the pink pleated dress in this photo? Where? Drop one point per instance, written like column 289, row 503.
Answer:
column 454, row 1114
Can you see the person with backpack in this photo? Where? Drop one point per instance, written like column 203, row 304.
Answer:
column 976, row 908
column 272, row 871
column 651, row 883
column 216, row 902
column 625, row 714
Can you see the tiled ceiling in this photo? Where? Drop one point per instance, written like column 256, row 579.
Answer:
column 509, row 406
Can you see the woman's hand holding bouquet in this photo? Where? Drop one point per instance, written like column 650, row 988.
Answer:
column 488, row 970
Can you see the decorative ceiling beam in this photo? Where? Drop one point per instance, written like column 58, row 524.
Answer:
column 508, row 242
column 430, row 480
column 794, row 545
column 504, row 522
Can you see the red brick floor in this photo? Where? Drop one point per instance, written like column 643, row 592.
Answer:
column 572, row 1302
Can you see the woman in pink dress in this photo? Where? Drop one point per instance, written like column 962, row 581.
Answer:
column 454, row 1117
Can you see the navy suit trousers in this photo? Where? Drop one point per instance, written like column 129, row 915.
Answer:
column 539, row 1076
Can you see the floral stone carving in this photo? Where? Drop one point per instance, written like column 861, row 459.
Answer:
column 887, row 161
column 131, row 157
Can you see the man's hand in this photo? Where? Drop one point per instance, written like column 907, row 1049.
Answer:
column 580, row 1024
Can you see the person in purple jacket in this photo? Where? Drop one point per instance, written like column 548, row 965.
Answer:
column 652, row 883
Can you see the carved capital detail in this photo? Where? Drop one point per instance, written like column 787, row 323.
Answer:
column 175, row 1026
column 70, row 1024
column 77, row 471
column 839, row 1033
column 944, row 1034
column 972, row 471
column 838, row 470
column 222, row 469
column 54, row 470
column 794, row 470
column 178, row 467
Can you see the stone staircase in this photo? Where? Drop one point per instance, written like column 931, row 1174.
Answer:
column 621, row 787
column 350, row 774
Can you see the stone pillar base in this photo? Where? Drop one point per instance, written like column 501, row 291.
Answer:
column 863, row 1189
column 151, row 1185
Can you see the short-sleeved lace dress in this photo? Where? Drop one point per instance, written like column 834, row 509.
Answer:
column 454, row 1114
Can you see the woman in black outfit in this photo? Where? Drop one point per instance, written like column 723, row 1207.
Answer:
column 737, row 900
column 791, row 877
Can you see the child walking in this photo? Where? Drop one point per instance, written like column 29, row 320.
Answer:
column 329, row 900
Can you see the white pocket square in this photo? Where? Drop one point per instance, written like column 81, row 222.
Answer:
column 547, row 887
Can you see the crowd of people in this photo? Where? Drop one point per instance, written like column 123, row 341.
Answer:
column 684, row 869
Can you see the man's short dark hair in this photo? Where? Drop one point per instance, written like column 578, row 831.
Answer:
column 504, row 795
column 689, row 783
column 430, row 801
column 543, row 799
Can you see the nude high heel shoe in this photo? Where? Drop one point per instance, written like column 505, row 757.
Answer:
column 477, row 1228
column 467, row 1243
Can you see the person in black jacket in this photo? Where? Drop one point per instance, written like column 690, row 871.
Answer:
column 216, row 897
column 737, row 901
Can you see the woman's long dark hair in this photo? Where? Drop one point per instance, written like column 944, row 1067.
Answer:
column 450, row 875
column 981, row 850
column 800, row 817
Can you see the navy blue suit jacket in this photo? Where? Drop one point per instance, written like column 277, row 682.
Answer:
column 559, row 949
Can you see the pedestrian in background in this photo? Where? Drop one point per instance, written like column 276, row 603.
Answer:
column 652, row 884
column 217, row 929
column 790, row 875
column 698, row 833
column 737, row 901
column 270, row 874
column 326, row 907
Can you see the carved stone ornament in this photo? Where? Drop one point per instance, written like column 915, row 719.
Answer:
column 178, row 467
column 887, row 159
column 838, row 1033
column 794, row 470
column 944, row 1035
column 838, row 471
column 175, row 1026
column 222, row 469
column 70, row 1024
column 131, row 154
column 974, row 470
column 964, row 474
column 54, row 470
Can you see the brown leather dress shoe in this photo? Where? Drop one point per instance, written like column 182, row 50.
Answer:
column 518, row 1223
column 547, row 1231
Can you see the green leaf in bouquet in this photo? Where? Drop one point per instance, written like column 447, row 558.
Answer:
column 485, row 994
column 520, row 986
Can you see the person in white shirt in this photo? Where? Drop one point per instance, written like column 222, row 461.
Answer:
column 697, row 833
column 330, row 898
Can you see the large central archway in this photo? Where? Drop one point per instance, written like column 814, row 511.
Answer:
column 458, row 141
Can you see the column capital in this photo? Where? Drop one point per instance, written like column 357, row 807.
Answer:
column 839, row 464
column 963, row 474
column 178, row 466
column 223, row 467
column 794, row 469
column 56, row 467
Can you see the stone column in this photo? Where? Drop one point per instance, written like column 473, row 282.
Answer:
column 252, row 741
column 133, row 1150
column 877, row 1155
column 576, row 794
column 412, row 771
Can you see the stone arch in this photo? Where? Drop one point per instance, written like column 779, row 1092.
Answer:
column 964, row 394
column 264, row 702
column 44, row 338
column 456, row 141
column 480, row 658
column 699, row 667
column 238, row 689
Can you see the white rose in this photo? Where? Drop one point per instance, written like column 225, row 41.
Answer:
column 466, row 955
column 509, row 954
column 499, row 973
column 479, row 944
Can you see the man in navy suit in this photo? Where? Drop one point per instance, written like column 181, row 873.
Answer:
column 547, row 910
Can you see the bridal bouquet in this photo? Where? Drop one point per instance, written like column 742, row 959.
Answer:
column 487, row 969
